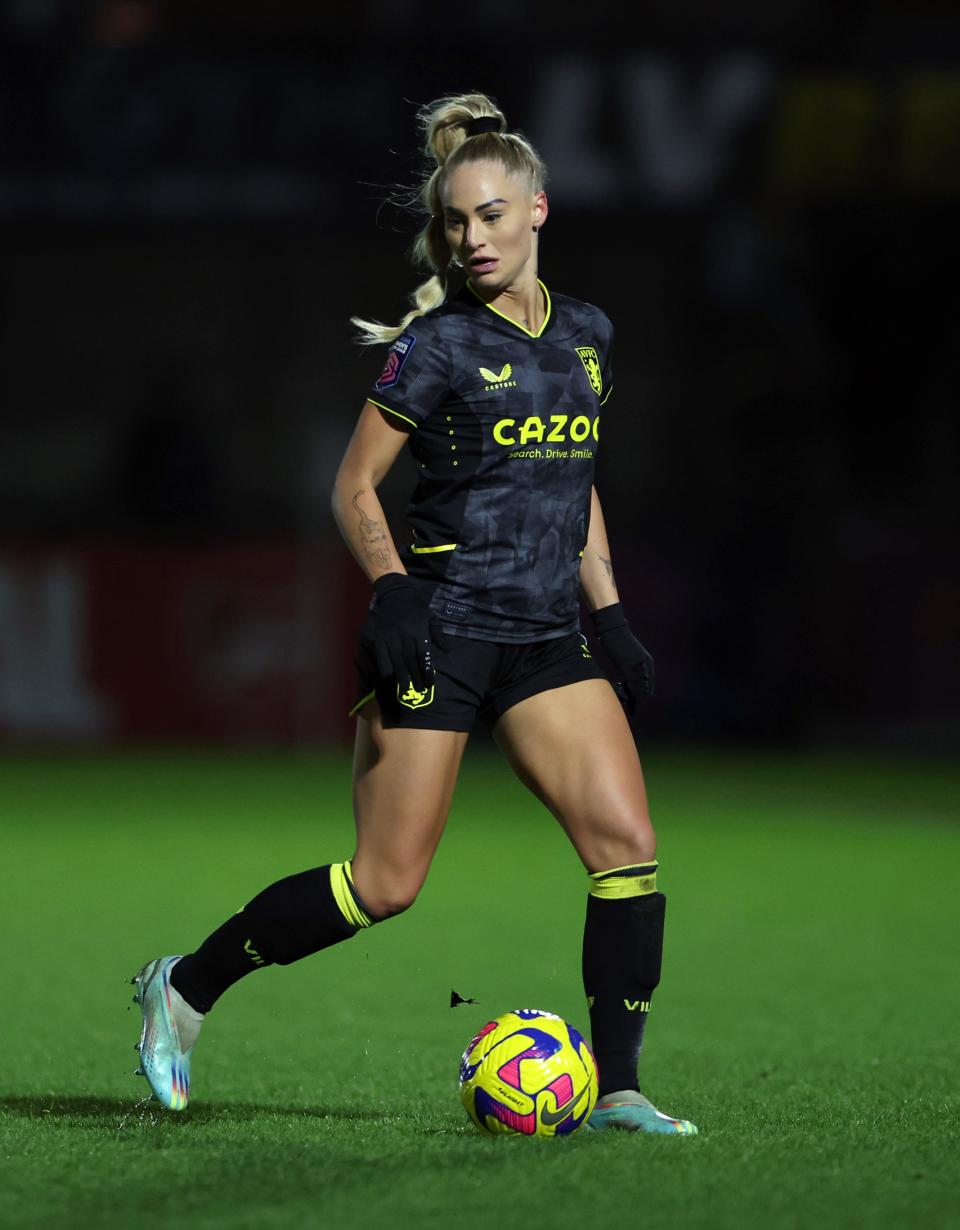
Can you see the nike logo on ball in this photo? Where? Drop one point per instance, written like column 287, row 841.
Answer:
column 550, row 1117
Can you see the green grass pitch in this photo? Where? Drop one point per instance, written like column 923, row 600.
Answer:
column 807, row 1019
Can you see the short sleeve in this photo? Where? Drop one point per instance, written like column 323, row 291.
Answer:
column 606, row 358
column 416, row 375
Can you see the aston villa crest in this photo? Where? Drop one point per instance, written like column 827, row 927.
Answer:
column 414, row 699
column 588, row 357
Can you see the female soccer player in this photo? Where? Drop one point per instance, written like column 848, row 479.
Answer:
column 498, row 391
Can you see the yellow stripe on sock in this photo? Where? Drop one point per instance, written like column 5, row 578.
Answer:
column 634, row 880
column 341, row 881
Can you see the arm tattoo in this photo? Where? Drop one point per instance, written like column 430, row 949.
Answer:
column 606, row 563
column 373, row 536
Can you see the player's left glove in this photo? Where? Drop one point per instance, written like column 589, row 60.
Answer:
column 634, row 663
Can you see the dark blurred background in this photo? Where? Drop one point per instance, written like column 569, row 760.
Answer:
column 762, row 197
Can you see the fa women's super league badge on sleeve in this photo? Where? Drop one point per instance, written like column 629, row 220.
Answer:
column 398, row 354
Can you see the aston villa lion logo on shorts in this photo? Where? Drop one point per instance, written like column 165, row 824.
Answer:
column 588, row 357
column 414, row 699
column 396, row 358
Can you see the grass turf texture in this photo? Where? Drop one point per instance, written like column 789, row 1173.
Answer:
column 807, row 1019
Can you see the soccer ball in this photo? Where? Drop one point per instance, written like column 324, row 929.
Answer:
column 528, row 1073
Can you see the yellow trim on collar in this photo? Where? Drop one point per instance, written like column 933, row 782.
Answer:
column 510, row 320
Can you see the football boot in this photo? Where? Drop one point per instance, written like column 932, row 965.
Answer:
column 162, row 1060
column 629, row 1111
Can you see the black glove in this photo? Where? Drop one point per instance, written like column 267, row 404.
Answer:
column 634, row 663
column 399, row 629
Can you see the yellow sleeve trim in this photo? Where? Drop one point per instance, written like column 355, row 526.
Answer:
column 381, row 406
column 360, row 703
column 609, row 391
column 447, row 546
column 634, row 880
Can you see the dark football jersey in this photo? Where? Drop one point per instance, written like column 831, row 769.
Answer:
column 504, row 427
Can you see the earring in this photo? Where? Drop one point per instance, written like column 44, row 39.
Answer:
column 535, row 229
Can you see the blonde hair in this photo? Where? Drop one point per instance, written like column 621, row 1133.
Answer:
column 448, row 145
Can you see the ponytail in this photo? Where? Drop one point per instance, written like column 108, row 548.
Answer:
column 448, row 143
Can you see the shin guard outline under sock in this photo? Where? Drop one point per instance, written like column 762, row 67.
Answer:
column 622, row 952
column 291, row 919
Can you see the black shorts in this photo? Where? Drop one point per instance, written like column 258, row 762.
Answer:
column 475, row 680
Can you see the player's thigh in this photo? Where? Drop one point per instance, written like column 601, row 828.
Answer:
column 572, row 746
column 403, row 783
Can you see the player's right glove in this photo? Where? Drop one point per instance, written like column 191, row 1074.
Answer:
column 632, row 660
column 398, row 628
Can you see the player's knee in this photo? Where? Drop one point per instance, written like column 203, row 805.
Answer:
column 389, row 897
column 387, row 886
column 633, row 840
column 646, row 842
column 636, row 849
column 638, row 835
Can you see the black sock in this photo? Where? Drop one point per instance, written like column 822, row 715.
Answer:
column 291, row 919
column 622, row 949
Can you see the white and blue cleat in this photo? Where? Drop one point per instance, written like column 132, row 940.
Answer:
column 162, row 1062
column 629, row 1111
